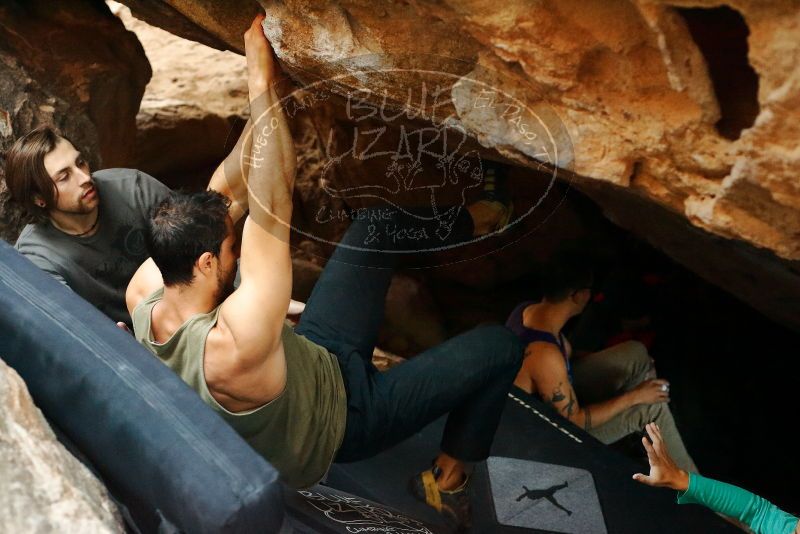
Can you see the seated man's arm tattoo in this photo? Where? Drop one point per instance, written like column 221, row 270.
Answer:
column 570, row 407
column 558, row 395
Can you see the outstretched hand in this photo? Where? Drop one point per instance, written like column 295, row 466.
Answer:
column 663, row 471
column 260, row 59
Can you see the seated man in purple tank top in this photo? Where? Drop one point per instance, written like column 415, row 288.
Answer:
column 617, row 387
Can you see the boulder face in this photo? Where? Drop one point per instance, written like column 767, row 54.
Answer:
column 630, row 85
column 82, row 52
column 628, row 80
column 637, row 98
column 71, row 65
column 43, row 488
column 195, row 104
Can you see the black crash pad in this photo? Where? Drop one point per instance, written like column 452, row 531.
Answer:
column 535, row 449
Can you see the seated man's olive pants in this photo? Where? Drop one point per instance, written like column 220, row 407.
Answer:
column 613, row 371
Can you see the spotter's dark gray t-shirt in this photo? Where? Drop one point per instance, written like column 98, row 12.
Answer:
column 99, row 267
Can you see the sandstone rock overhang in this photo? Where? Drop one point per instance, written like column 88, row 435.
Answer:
column 656, row 132
column 689, row 143
column 628, row 80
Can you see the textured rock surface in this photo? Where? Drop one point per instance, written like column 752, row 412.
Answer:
column 213, row 23
column 194, row 104
column 626, row 78
column 627, row 81
column 630, row 83
column 43, row 488
column 73, row 65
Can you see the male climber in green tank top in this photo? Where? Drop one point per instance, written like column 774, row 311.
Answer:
column 309, row 396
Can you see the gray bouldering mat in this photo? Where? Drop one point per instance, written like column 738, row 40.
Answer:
column 544, row 496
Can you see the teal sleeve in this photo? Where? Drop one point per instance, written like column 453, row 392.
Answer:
column 759, row 514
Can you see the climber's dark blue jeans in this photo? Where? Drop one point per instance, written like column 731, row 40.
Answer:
column 467, row 376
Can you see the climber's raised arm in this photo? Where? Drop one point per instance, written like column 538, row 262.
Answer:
column 265, row 263
column 231, row 177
